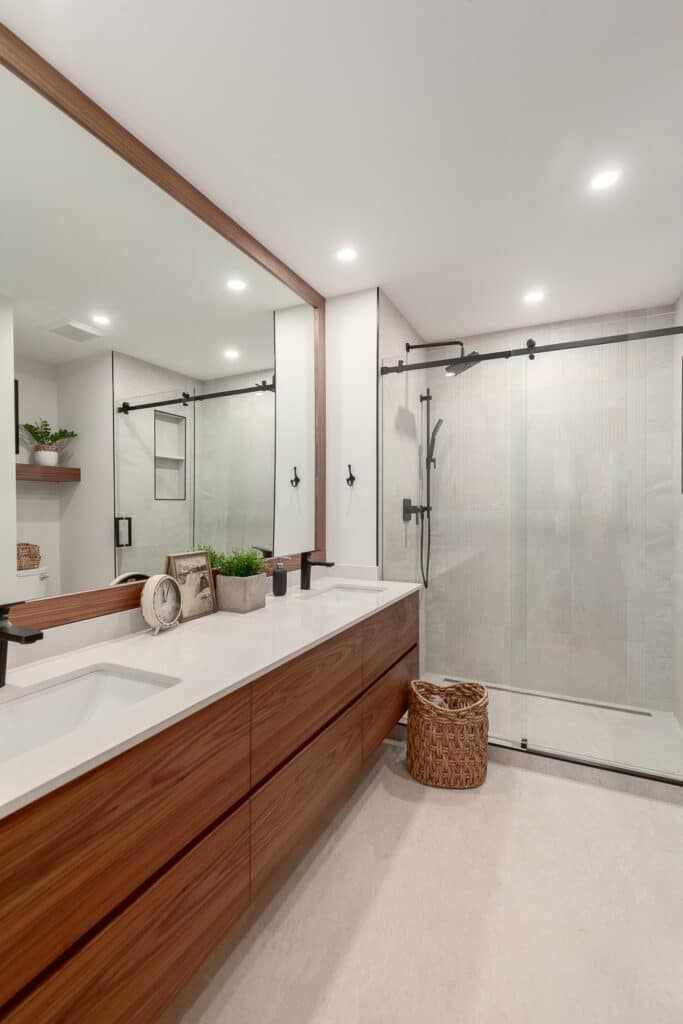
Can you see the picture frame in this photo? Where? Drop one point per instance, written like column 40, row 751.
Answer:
column 192, row 571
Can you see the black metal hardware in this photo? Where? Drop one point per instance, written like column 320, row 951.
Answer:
column 296, row 479
column 117, row 531
column 410, row 510
column 187, row 398
column 531, row 344
column 17, row 634
column 306, row 564
column 485, row 357
column 350, row 480
column 435, row 344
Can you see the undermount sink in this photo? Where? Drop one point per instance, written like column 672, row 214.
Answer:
column 342, row 593
column 33, row 716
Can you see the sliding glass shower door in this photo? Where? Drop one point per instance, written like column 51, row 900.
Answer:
column 556, row 532
column 154, row 481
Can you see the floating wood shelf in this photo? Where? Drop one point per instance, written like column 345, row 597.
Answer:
column 55, row 474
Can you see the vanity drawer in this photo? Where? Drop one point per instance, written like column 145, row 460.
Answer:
column 290, row 804
column 388, row 635
column 385, row 702
column 291, row 703
column 69, row 858
column 131, row 969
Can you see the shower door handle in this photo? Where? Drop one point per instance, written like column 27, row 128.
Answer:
column 126, row 532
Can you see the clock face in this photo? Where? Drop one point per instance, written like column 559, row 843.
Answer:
column 166, row 601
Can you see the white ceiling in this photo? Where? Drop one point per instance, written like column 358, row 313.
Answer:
column 449, row 140
column 81, row 233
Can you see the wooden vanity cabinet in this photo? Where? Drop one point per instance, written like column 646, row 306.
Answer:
column 132, row 968
column 386, row 702
column 115, row 887
column 291, row 703
column 287, row 807
column 70, row 858
column 387, row 635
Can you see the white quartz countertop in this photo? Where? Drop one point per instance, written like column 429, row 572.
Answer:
column 209, row 657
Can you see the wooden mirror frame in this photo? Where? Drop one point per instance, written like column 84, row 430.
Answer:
column 26, row 64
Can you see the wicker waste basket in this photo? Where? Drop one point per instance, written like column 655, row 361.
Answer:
column 28, row 556
column 448, row 730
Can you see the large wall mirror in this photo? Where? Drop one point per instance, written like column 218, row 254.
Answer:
column 185, row 368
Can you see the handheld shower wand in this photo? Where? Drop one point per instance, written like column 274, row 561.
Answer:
column 432, row 442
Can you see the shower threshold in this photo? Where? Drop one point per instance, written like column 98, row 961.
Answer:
column 625, row 709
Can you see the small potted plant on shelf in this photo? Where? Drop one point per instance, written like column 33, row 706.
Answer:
column 47, row 443
column 240, row 579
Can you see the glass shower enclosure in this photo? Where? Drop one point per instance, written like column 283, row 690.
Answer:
column 555, row 537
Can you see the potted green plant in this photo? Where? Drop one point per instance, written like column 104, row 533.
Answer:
column 241, row 580
column 47, row 442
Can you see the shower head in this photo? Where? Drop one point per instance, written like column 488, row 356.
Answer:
column 432, row 440
column 460, row 365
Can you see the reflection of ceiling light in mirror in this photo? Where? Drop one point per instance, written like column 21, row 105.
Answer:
column 605, row 179
column 534, row 296
column 235, row 284
column 231, row 353
column 100, row 319
column 346, row 254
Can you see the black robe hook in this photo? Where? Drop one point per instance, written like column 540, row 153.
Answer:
column 296, row 479
column 350, row 478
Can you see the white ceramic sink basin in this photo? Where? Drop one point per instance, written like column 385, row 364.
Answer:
column 342, row 593
column 35, row 715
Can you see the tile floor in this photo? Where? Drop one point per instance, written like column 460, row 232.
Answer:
column 536, row 899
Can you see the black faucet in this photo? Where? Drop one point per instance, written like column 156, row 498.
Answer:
column 306, row 564
column 16, row 633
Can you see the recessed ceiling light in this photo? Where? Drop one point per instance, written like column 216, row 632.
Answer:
column 231, row 353
column 534, row 296
column 100, row 319
column 235, row 284
column 605, row 179
column 346, row 254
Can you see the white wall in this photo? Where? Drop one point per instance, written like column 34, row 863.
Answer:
column 235, row 451
column 8, row 524
column 295, row 430
column 39, row 505
column 401, row 461
column 351, row 374
column 85, row 405
column 677, row 378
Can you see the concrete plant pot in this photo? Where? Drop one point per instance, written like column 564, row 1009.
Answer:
column 46, row 455
column 241, row 593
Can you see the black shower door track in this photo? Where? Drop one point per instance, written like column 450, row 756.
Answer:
column 530, row 350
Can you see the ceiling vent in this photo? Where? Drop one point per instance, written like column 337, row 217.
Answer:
column 75, row 331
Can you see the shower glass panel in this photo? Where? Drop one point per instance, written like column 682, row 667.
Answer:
column 473, row 610
column 601, row 492
column 154, row 482
column 557, row 536
column 235, row 456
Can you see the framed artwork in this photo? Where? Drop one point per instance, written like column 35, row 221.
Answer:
column 192, row 571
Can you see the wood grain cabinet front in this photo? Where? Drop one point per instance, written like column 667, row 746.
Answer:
column 388, row 635
column 289, row 806
column 293, row 702
column 131, row 970
column 385, row 702
column 69, row 858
